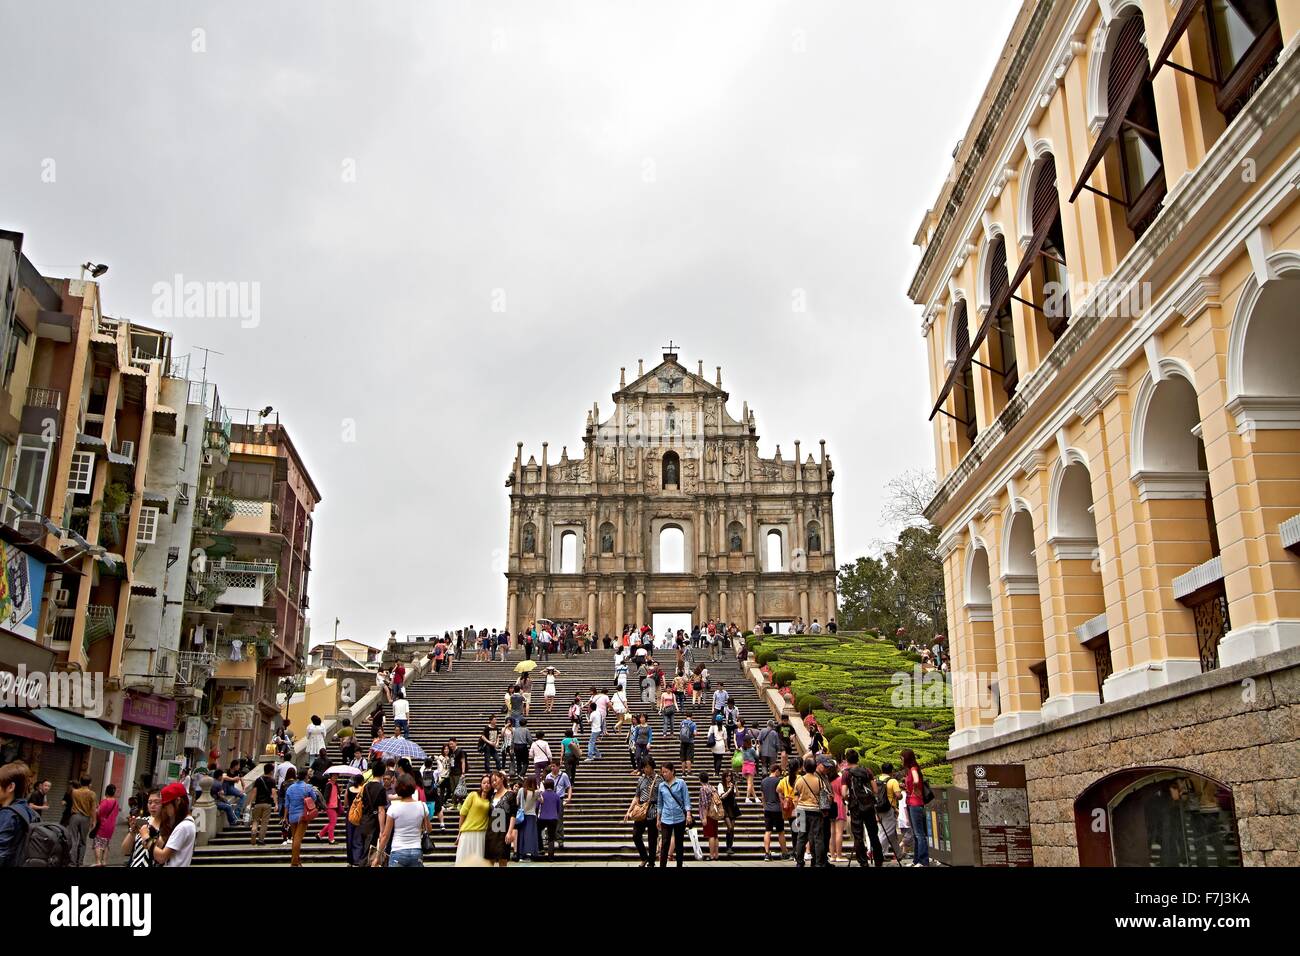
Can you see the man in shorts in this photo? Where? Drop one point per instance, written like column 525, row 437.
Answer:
column 773, row 819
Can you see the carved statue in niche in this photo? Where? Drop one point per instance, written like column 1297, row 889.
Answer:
column 735, row 542
column 607, row 539
column 671, row 477
column 530, row 540
column 630, row 465
column 814, row 538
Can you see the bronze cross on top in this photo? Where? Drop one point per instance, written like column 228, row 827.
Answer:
column 670, row 349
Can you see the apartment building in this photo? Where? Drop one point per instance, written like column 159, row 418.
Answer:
column 1109, row 281
column 149, row 540
column 247, row 600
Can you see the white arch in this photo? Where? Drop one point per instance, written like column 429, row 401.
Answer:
column 976, row 586
column 1282, row 265
column 1072, row 538
column 672, row 549
column 1018, row 559
column 950, row 342
column 568, row 552
column 1146, row 393
column 982, row 293
column 1099, row 59
column 1025, row 196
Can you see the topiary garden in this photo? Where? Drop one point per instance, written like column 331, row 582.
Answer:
column 847, row 682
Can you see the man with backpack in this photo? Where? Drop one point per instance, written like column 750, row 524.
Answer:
column 264, row 801
column 889, row 793
column 16, row 816
column 861, row 798
column 686, row 752
column 24, row 839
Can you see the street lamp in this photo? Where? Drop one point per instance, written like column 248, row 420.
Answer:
column 937, row 609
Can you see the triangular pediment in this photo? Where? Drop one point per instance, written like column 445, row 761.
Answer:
column 669, row 377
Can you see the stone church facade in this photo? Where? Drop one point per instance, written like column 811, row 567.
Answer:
column 670, row 509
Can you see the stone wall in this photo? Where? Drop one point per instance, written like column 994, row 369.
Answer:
column 1238, row 725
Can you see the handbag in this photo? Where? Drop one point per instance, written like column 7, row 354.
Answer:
column 356, row 811
column 309, row 810
column 462, row 789
column 638, row 812
column 378, row 857
column 694, row 836
column 737, row 760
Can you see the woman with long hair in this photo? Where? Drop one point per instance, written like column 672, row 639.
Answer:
column 730, row 807
column 135, row 848
column 502, row 835
column 172, row 842
column 352, row 831
column 914, row 785
column 475, row 810
column 333, row 804
column 528, row 801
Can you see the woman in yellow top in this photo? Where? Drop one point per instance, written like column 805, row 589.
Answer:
column 474, row 811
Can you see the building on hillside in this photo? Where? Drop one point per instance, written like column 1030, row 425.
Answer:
column 1109, row 279
column 346, row 653
column 247, row 598
column 670, row 510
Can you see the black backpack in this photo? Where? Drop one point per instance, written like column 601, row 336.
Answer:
column 45, row 845
column 883, row 805
column 863, row 801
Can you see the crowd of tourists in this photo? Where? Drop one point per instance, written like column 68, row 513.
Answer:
column 390, row 811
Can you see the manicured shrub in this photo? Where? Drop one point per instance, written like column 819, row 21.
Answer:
column 842, row 742
column 765, row 656
column 783, row 676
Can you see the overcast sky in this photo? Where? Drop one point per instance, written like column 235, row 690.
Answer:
column 612, row 174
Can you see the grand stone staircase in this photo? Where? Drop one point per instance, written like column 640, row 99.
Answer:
column 458, row 703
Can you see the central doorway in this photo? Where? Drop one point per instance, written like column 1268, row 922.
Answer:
column 671, row 621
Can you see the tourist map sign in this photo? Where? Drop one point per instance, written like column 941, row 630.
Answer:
column 1001, row 817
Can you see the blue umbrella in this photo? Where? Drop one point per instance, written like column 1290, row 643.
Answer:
column 398, row 747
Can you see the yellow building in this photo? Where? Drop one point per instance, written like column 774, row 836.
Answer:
column 1110, row 279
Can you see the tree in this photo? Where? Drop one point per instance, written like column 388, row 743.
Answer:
column 908, row 495
column 903, row 587
column 861, row 585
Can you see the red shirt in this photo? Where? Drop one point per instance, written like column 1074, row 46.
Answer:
column 912, row 783
column 399, row 674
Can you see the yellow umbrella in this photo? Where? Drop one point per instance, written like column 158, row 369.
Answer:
column 523, row 667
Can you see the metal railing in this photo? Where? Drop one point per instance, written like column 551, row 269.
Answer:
column 38, row 397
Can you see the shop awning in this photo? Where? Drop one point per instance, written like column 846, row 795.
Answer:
column 27, row 729
column 76, row 729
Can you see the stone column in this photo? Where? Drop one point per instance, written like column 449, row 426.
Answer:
column 619, row 612
column 803, row 606
column 512, row 612
column 751, row 609
column 722, row 602
column 539, row 606
column 640, row 608
column 591, row 611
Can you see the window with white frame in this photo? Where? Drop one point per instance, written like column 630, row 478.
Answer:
column 32, row 470
column 82, row 472
column 146, row 531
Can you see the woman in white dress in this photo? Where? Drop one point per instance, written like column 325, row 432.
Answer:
column 551, row 674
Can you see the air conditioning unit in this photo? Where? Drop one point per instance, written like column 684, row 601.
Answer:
column 129, row 632
column 62, row 597
column 128, row 449
column 183, row 496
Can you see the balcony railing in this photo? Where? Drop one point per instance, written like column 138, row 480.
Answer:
column 44, row 397
column 101, row 622
column 194, row 667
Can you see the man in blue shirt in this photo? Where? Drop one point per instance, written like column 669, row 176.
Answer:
column 563, row 790
column 295, row 805
column 674, row 804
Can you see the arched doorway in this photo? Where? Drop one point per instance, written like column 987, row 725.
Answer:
column 1157, row 817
